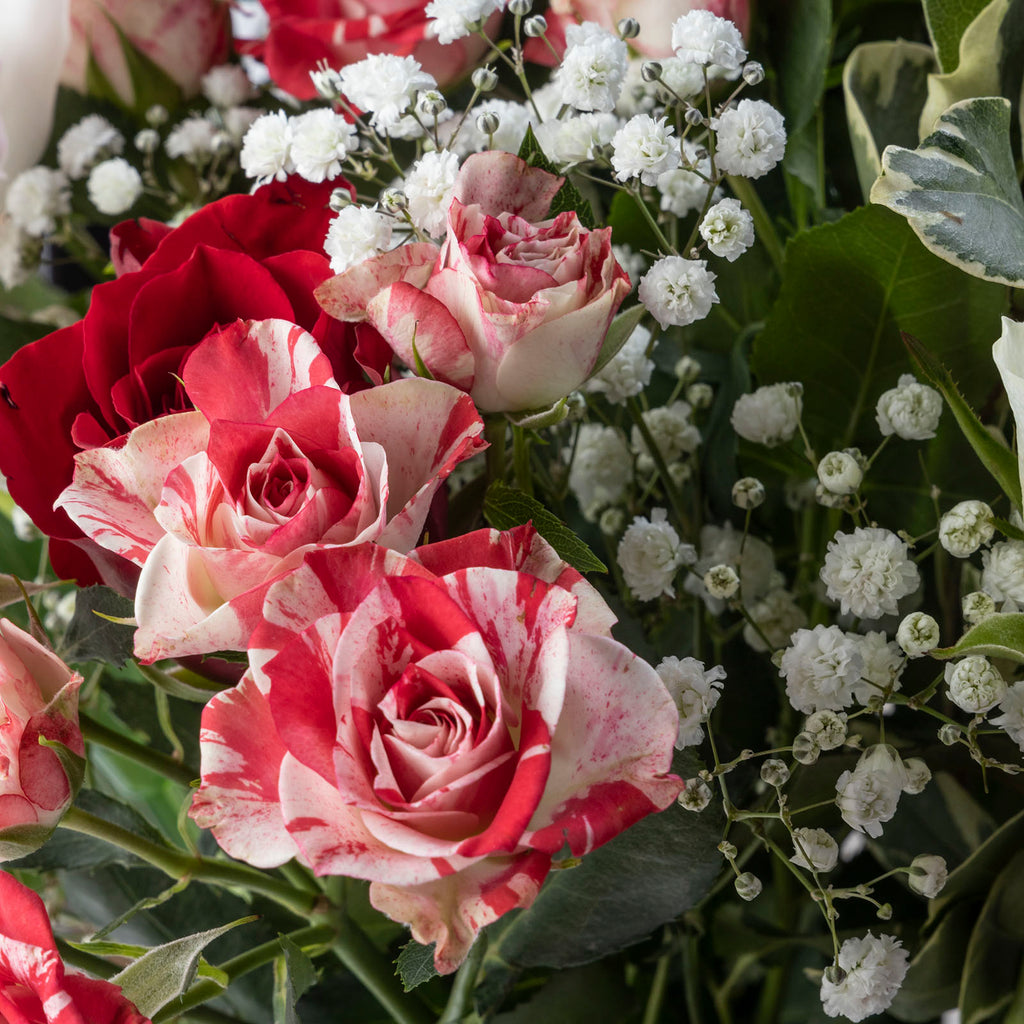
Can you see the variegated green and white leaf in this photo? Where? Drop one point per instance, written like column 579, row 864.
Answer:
column 885, row 85
column 947, row 21
column 959, row 191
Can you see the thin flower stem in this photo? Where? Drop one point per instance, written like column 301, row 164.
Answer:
column 165, row 765
column 465, row 981
column 667, row 483
column 665, row 244
column 495, row 428
column 652, row 1011
column 521, row 459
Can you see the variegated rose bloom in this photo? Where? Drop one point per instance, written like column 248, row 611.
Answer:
column 441, row 724
column 216, row 503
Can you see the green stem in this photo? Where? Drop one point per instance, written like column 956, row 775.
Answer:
column 495, row 427
column 167, row 766
column 663, row 242
column 747, row 195
column 465, row 981
column 667, row 483
column 180, row 865
column 657, row 994
column 521, row 459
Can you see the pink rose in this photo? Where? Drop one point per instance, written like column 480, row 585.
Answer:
column 441, row 724
column 215, row 504
column 38, row 699
column 304, row 32
column 512, row 308
column 35, row 987
column 184, row 37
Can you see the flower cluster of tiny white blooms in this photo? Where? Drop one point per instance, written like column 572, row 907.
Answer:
column 814, row 849
column 13, row 241
column 910, row 410
column 869, row 795
column 644, row 148
column 1002, row 575
column 695, row 691
column 513, row 120
column 453, row 19
column 628, row 372
column 700, row 37
column 593, row 68
column 777, row 616
column 113, row 186
column 828, row 728
column 883, row 664
column 821, row 667
column 194, row 139
column 974, row 685
column 840, row 473
column 227, row 85
column 36, row 198
column 678, row 291
column 321, row 139
column 769, row 415
column 237, row 121
column 868, row 572
column 575, row 139
column 966, row 527
column 750, row 556
column 385, row 86
column 633, row 263
column 918, row 633
column 672, row 431
column 928, row 874
column 682, row 77
column 356, row 234
column 750, row 138
column 429, row 187
column 650, row 553
column 875, row 969
column 601, row 468
column 728, row 229
column 86, row 142
column 1011, row 721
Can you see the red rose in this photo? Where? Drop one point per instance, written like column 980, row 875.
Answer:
column 242, row 257
column 304, row 32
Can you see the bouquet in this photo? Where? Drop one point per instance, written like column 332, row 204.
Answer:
column 511, row 513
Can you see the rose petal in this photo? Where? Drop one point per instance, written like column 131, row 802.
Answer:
column 502, row 183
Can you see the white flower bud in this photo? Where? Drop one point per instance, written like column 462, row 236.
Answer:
column 695, row 796
column 687, row 370
column 840, row 473
column 327, row 83
column 884, row 912
column 629, row 28
column 748, row 886
column 828, row 728
column 612, row 521
column 340, row 198
column 977, row 606
column 431, row 103
column 722, row 581
column 965, row 528
column 484, row 79
column 157, row 115
column 806, row 748
column 694, row 117
column 536, row 26
column 753, row 73
column 769, row 415
column 774, row 772
column 917, row 634
column 520, row 8
column 949, row 734
column 651, row 70
column 700, row 395
column 910, row 410
column 147, row 140
column 394, row 200
column 814, row 849
column 918, row 775
column 488, row 123
column 928, row 875
column 973, row 685
column 727, row 850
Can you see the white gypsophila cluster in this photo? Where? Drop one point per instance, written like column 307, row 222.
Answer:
column 593, row 68
column 770, row 415
column 868, row 572
column 681, row 77
column 644, row 148
column 193, row 139
column 638, row 96
column 633, row 263
column 695, row 691
column 227, row 85
column 750, row 138
column 814, row 849
column 974, row 685
column 601, row 468
column 650, row 554
column 455, row 19
column 85, row 142
column 685, row 188
column 575, row 139
column 875, row 969
column 678, row 291
column 1002, row 575
column 60, row 610
column 429, row 187
column 918, row 633
column 237, row 121
column 267, row 148
column 869, row 795
column 828, row 728
column 928, row 874
column 840, row 473
column 36, row 198
column 14, row 270
column 821, row 668
column 977, row 606
column 385, row 86
column 777, row 616
column 1011, row 721
column 673, row 433
column 722, row 582
column 728, row 229
column 748, row 492
column 750, row 556
column 918, row 775
column 966, row 527
column 113, row 186
column 700, row 37
column 910, row 410
column 883, row 665
column 321, row 140
column 513, row 120
column 356, row 234
column 627, row 373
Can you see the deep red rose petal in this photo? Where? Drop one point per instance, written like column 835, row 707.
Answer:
column 132, row 242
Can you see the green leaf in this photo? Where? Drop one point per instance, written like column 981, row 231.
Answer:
column 618, row 333
column 506, row 508
column 959, row 191
column 568, row 197
column 999, row 636
column 415, row 965
column 294, row 974
column 885, row 85
column 92, row 636
column 619, row 893
column 947, row 20
column 995, row 457
column 805, row 58
column 165, row 972
column 580, row 996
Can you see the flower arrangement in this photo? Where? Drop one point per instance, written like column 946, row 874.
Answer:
column 511, row 512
